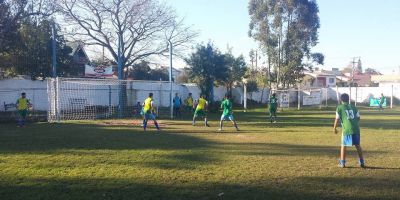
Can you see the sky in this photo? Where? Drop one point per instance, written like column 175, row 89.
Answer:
column 368, row 29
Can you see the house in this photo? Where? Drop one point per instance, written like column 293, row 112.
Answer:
column 79, row 59
column 319, row 78
column 386, row 80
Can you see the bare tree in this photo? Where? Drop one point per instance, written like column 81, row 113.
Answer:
column 131, row 30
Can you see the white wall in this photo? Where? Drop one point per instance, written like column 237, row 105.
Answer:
column 36, row 92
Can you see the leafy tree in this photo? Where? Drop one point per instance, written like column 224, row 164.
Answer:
column 236, row 69
column 286, row 30
column 207, row 66
column 130, row 30
column 32, row 56
column 251, row 86
column 142, row 71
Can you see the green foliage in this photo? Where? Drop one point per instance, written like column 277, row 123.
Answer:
column 252, row 86
column 33, row 54
column 207, row 66
column 236, row 70
column 142, row 71
column 286, row 30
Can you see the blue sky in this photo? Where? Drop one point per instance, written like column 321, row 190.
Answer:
column 368, row 29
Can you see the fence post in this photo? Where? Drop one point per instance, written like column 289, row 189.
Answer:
column 57, row 99
column 391, row 99
column 355, row 101
column 326, row 97
column 298, row 98
column 337, row 95
column 350, row 94
column 245, row 97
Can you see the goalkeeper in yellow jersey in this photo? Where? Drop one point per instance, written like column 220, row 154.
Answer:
column 22, row 105
column 148, row 112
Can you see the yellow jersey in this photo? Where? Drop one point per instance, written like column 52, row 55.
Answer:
column 22, row 104
column 201, row 104
column 189, row 101
column 148, row 104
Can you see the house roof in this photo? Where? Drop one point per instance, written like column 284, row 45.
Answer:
column 385, row 78
column 77, row 46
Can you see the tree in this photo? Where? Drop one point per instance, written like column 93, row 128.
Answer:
column 33, row 53
column 131, row 30
column 13, row 12
column 236, row 69
column 251, row 86
column 286, row 30
column 207, row 66
column 142, row 71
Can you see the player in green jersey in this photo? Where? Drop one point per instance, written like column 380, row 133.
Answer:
column 272, row 107
column 227, row 113
column 349, row 117
column 381, row 102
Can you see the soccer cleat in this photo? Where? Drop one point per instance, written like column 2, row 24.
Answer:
column 361, row 163
column 342, row 164
column 220, row 129
column 207, row 125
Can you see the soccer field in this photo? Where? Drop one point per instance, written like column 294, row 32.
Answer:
column 295, row 158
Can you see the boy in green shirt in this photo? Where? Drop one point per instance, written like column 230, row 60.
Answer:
column 272, row 107
column 349, row 117
column 227, row 113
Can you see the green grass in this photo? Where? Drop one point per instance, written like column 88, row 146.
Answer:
column 293, row 159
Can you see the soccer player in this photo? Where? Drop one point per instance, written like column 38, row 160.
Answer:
column 177, row 105
column 148, row 110
column 227, row 114
column 22, row 105
column 272, row 107
column 349, row 117
column 201, row 110
column 381, row 102
column 189, row 103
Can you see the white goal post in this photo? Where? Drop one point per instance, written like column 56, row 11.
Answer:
column 83, row 99
column 316, row 97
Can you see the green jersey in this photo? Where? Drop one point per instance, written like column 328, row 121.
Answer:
column 383, row 99
column 227, row 106
column 273, row 102
column 349, row 117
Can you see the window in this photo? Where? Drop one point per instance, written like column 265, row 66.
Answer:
column 331, row 80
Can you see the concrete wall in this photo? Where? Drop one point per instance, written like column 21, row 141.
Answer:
column 36, row 91
column 10, row 90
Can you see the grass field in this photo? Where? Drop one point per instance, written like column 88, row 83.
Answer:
column 293, row 159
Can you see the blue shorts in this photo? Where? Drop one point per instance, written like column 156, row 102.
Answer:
column 350, row 140
column 227, row 117
column 150, row 116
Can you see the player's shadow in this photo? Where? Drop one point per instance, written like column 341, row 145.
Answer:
column 48, row 137
column 375, row 168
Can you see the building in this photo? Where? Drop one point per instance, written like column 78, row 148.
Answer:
column 79, row 59
column 319, row 78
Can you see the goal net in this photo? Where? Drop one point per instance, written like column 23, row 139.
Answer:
column 81, row 99
column 299, row 98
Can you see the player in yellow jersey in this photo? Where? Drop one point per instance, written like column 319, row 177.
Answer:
column 201, row 110
column 148, row 112
column 23, row 105
column 189, row 103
